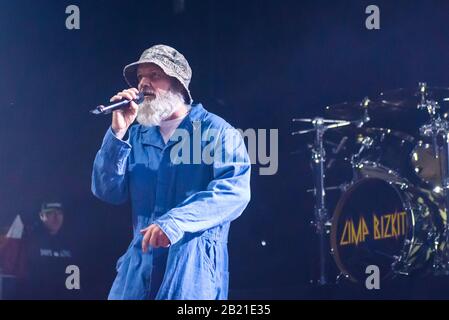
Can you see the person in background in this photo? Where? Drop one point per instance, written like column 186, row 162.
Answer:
column 49, row 252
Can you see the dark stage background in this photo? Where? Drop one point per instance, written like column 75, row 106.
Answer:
column 257, row 64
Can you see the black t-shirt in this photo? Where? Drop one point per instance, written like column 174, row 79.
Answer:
column 48, row 259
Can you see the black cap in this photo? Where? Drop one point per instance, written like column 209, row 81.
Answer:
column 50, row 206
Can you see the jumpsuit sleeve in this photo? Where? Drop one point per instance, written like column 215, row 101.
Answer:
column 109, row 177
column 225, row 197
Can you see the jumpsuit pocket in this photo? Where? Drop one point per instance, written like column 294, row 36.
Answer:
column 135, row 242
column 208, row 251
column 120, row 260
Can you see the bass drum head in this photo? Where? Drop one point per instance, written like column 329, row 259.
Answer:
column 370, row 226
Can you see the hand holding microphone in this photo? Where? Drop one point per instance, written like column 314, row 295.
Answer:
column 124, row 111
column 123, row 118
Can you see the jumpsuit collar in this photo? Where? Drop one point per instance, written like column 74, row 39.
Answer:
column 151, row 135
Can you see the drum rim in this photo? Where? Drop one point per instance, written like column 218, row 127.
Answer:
column 360, row 165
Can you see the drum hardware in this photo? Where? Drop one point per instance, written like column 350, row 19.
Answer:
column 321, row 221
column 434, row 129
column 401, row 265
column 430, row 105
column 436, row 126
column 402, row 273
column 318, row 160
column 340, row 277
column 401, row 185
column 337, row 148
column 342, row 188
column 366, row 143
column 340, row 145
column 442, row 255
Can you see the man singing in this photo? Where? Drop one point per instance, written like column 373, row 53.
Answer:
column 182, row 210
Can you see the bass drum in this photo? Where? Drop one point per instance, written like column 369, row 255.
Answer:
column 383, row 222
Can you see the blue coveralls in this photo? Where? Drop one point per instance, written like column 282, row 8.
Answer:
column 193, row 203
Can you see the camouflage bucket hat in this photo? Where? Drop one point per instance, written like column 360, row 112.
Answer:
column 173, row 63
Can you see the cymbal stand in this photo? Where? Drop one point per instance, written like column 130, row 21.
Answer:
column 433, row 129
column 321, row 220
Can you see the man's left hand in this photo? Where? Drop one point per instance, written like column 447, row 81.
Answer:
column 155, row 237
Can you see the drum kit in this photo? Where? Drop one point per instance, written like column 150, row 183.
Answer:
column 393, row 152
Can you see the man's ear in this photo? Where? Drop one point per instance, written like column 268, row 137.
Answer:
column 176, row 86
column 41, row 216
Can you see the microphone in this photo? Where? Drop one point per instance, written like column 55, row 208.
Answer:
column 101, row 109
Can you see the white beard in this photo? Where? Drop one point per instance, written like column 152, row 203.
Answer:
column 153, row 112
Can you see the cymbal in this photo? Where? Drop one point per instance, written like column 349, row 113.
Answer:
column 375, row 132
column 355, row 110
column 389, row 103
column 410, row 98
column 379, row 131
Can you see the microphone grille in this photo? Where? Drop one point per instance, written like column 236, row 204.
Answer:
column 140, row 98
